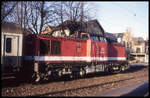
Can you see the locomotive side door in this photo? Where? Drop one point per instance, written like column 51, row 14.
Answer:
column 11, row 51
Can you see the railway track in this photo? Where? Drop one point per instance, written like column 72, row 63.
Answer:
column 86, row 87
column 75, row 86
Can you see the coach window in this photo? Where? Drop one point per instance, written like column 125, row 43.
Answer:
column 8, row 45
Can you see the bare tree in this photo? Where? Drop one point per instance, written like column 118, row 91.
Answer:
column 40, row 15
column 20, row 13
column 7, row 9
column 33, row 15
column 36, row 15
column 75, row 11
column 70, row 11
column 59, row 13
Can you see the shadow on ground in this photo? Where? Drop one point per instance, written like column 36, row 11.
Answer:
column 140, row 91
column 134, row 68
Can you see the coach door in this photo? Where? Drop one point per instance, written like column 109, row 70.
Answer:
column 11, row 50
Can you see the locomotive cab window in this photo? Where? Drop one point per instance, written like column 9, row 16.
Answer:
column 85, row 36
column 102, row 39
column 55, row 47
column 44, row 47
column 8, row 45
column 95, row 38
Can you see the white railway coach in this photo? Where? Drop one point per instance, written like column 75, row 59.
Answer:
column 11, row 47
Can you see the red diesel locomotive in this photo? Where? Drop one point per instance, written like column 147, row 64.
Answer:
column 46, row 55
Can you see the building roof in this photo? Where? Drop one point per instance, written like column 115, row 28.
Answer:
column 11, row 27
column 110, row 35
column 92, row 26
column 95, row 24
column 119, row 35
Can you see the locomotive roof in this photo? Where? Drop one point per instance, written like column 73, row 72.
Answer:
column 94, row 34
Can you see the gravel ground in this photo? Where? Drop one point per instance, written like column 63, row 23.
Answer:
column 75, row 87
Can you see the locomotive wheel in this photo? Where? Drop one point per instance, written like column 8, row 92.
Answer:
column 60, row 73
column 111, row 70
column 36, row 78
column 117, row 71
column 78, row 74
column 123, row 68
column 82, row 73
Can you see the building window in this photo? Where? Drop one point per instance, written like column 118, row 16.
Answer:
column 127, row 45
column 138, row 50
column 8, row 45
column 124, row 43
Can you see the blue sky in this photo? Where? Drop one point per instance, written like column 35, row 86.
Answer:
column 116, row 17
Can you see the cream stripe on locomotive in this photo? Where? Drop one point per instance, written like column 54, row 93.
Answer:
column 72, row 58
